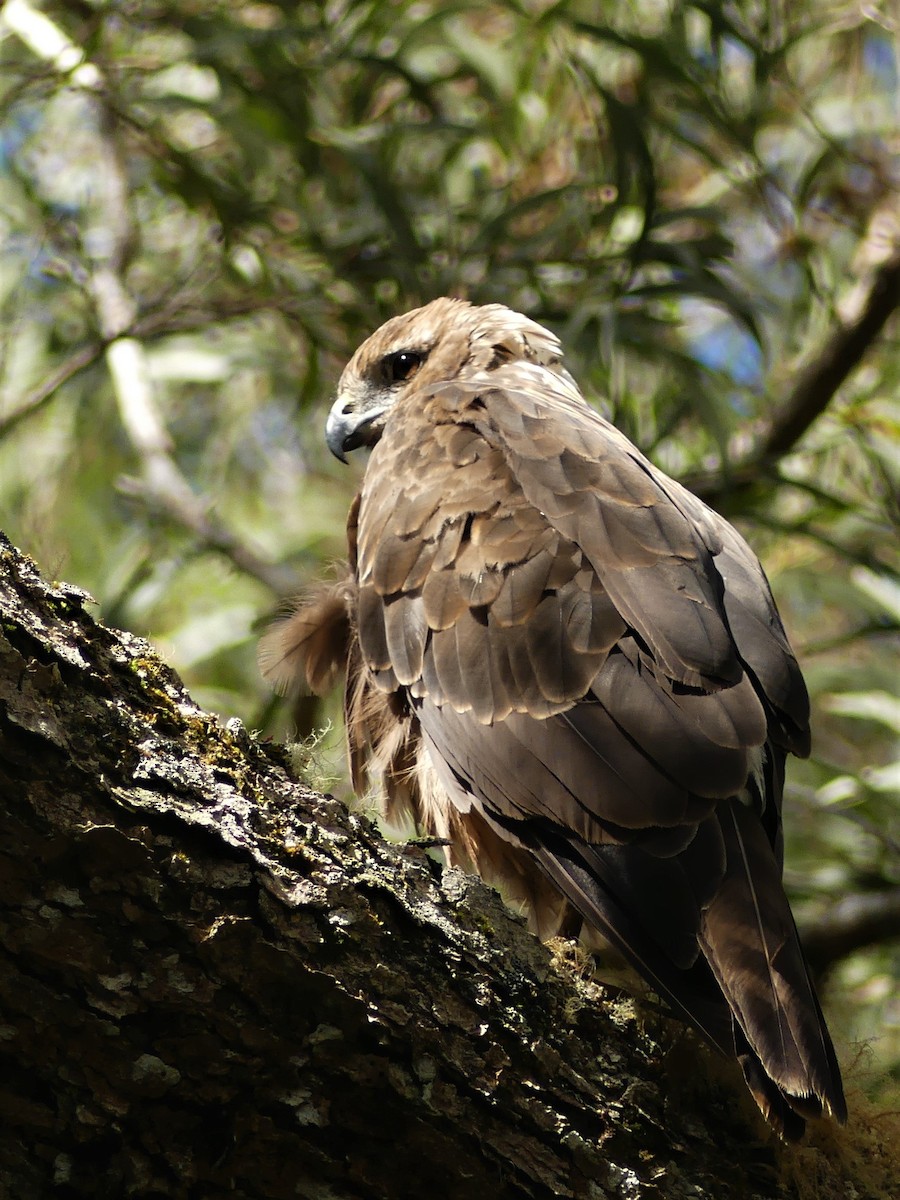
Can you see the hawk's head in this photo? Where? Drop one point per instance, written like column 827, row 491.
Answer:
column 428, row 346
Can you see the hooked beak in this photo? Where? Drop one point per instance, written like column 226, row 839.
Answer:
column 346, row 429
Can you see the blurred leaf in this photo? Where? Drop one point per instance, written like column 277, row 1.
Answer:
column 867, row 706
column 882, row 589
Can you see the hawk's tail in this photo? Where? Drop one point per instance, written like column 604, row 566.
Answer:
column 750, row 941
column 772, row 1021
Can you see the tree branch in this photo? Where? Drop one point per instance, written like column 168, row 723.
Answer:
column 855, row 922
column 814, row 390
column 824, row 375
column 215, row 982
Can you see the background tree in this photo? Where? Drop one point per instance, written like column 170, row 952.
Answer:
column 205, row 207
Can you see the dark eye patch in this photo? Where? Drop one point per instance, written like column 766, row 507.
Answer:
column 402, row 365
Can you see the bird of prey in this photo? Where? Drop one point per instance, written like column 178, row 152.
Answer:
column 572, row 669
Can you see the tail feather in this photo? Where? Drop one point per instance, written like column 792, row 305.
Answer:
column 691, row 995
column 749, row 994
column 781, row 1114
column 749, row 939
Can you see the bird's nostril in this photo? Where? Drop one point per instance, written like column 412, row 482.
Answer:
column 346, row 410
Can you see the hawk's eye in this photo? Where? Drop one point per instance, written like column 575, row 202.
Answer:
column 402, row 365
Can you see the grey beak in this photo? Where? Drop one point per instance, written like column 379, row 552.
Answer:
column 347, row 429
column 337, row 431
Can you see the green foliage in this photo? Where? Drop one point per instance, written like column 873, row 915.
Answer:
column 693, row 196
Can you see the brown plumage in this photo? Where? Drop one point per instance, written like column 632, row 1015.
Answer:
column 565, row 663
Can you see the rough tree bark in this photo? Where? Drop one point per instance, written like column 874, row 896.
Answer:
column 214, row 981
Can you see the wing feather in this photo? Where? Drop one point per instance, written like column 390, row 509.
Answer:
column 405, row 632
column 658, row 570
column 523, row 587
column 398, row 557
column 577, row 767
column 694, row 736
column 444, row 598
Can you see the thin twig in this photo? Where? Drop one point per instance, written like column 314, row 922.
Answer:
column 183, row 508
column 163, row 486
column 39, row 397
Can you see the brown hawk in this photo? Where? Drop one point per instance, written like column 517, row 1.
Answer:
column 562, row 661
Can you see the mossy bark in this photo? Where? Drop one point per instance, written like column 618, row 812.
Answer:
column 216, row 982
